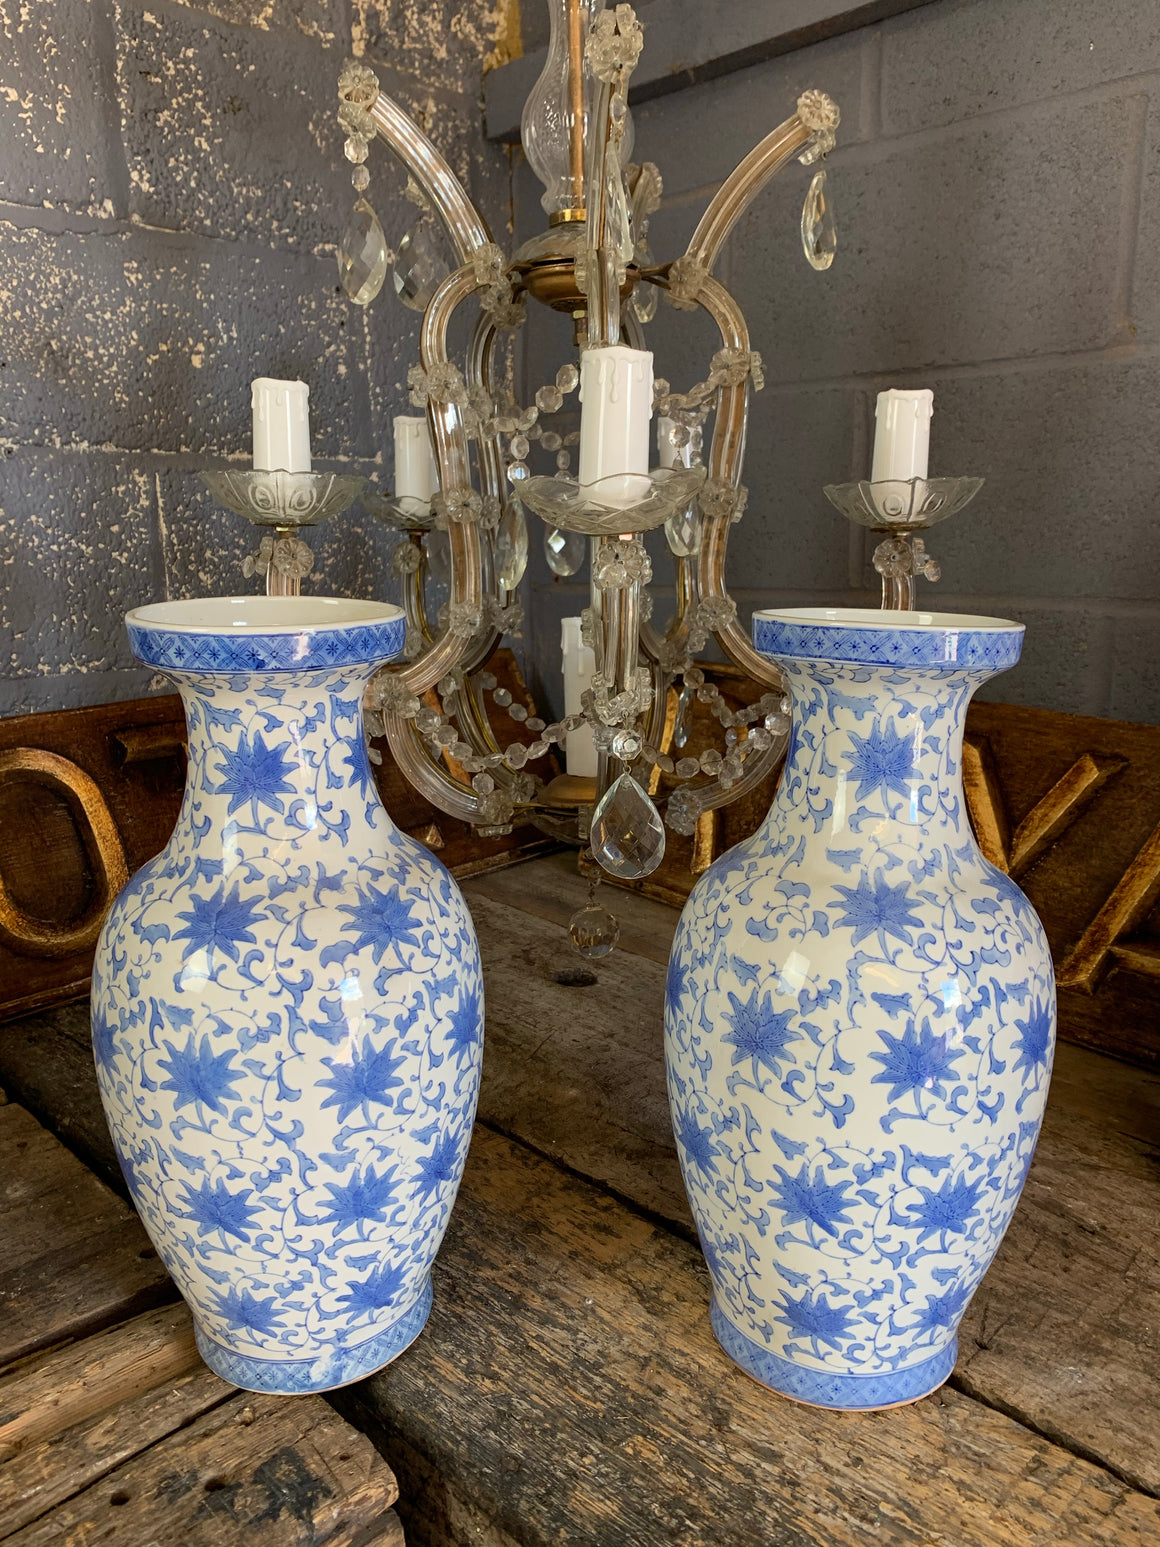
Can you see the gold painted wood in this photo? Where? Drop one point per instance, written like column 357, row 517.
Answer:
column 1044, row 824
column 38, row 937
column 1132, row 899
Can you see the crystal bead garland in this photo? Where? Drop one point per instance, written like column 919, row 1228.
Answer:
column 819, row 232
column 627, row 836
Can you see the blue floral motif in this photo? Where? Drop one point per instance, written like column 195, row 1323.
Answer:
column 760, row 1033
column 362, row 1079
column 218, row 923
column 381, row 919
column 214, row 1207
column 288, row 1020
column 859, row 1024
column 811, row 1198
column 367, row 1195
column 874, row 907
column 882, row 760
column 254, row 774
column 917, row 1060
column 198, row 1076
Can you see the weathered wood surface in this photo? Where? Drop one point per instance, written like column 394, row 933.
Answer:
column 263, row 1471
column 75, row 1257
column 569, row 1386
column 1065, row 1331
column 46, row 1062
column 92, row 1406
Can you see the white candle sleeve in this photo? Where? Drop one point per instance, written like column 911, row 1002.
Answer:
column 579, row 666
column 281, row 425
column 616, row 385
column 416, row 470
column 902, row 434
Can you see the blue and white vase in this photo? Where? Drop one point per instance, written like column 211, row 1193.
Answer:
column 287, row 1005
column 859, row 1023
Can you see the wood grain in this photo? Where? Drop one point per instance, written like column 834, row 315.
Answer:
column 1065, row 1331
column 569, row 1384
column 263, row 1471
column 69, row 1385
column 75, row 1256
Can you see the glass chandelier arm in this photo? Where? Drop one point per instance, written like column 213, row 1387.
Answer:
column 465, row 226
column 725, row 459
column 451, row 451
column 601, row 283
column 816, row 113
column 431, row 779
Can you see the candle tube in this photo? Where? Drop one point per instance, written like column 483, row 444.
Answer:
column 579, row 666
column 616, row 386
column 281, row 425
column 416, row 470
column 902, row 434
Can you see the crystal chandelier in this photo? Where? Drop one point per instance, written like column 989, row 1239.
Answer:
column 460, row 506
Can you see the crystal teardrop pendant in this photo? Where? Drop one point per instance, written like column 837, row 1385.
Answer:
column 683, row 532
column 564, row 551
column 362, row 255
column 819, row 232
column 510, row 548
column 627, row 835
column 594, row 930
column 420, row 267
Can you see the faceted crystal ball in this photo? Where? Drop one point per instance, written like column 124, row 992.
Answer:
column 594, row 930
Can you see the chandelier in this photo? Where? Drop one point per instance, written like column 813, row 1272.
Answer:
column 464, row 486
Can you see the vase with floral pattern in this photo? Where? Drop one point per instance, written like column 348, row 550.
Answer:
column 859, row 1025
column 287, row 1005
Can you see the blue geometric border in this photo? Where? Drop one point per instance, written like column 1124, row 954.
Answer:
column 849, row 1393
column 339, row 1367
column 950, row 648
column 245, row 651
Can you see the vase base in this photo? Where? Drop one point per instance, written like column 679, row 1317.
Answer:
column 326, row 1372
column 820, row 1388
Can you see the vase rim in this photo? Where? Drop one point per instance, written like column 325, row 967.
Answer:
column 942, row 641
column 265, row 633
column 261, row 614
column 873, row 617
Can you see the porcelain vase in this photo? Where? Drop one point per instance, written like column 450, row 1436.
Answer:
column 287, row 1005
column 860, row 1021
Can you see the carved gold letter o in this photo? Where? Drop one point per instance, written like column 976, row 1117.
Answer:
column 34, row 937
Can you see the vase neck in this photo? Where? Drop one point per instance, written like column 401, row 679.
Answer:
column 278, row 758
column 874, row 745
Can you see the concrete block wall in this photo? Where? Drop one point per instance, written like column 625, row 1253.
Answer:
column 997, row 186
column 172, row 187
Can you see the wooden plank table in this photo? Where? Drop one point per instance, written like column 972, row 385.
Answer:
column 568, row 1389
column 113, row 1433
